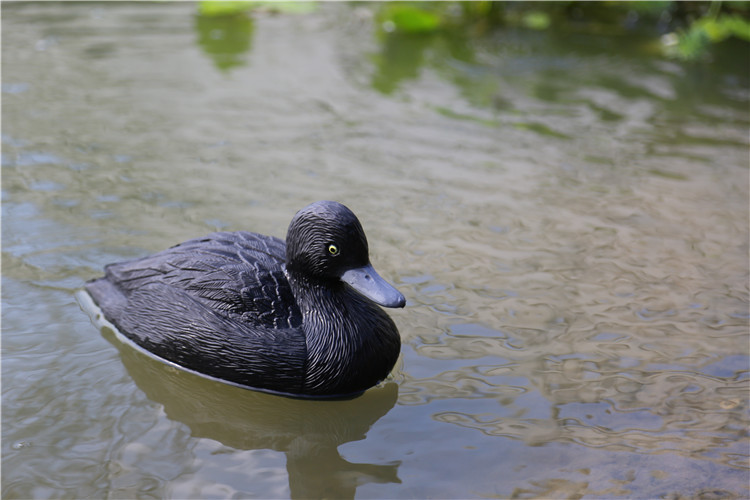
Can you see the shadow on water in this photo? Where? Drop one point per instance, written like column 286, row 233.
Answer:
column 307, row 432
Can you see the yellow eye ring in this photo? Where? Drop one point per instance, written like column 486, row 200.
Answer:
column 333, row 250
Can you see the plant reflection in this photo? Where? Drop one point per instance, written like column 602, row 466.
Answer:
column 225, row 38
column 401, row 58
column 308, row 432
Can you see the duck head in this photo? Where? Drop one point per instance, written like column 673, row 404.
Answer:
column 326, row 242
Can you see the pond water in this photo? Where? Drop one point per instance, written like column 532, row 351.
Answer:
column 566, row 213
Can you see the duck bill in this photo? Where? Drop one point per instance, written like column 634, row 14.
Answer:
column 369, row 283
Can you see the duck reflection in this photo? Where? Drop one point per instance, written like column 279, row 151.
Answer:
column 307, row 431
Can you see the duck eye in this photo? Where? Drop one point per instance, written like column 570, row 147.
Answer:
column 333, row 250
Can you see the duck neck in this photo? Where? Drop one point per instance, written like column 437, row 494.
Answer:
column 325, row 309
column 349, row 339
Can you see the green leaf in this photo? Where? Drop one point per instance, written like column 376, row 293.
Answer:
column 738, row 27
column 705, row 31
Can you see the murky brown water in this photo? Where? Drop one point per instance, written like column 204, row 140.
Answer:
column 567, row 216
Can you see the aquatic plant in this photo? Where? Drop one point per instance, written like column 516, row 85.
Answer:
column 687, row 29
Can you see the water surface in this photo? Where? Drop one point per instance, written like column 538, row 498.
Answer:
column 567, row 215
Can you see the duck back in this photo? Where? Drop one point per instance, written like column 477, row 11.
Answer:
column 219, row 305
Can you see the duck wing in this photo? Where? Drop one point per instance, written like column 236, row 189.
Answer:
column 175, row 326
column 220, row 306
column 238, row 275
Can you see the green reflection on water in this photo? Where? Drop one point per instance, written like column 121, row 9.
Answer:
column 226, row 39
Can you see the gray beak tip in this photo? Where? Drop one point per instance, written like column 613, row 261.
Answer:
column 369, row 283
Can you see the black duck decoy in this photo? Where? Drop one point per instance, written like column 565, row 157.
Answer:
column 299, row 318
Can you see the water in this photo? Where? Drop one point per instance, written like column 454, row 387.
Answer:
column 567, row 215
